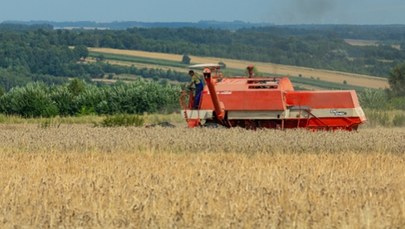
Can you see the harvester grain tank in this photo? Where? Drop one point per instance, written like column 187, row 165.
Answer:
column 269, row 102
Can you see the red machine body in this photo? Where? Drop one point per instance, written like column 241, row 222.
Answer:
column 271, row 102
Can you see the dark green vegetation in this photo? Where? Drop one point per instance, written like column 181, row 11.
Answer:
column 381, row 107
column 116, row 25
column 310, row 46
column 42, row 54
column 79, row 98
column 397, row 81
column 393, row 98
column 307, row 46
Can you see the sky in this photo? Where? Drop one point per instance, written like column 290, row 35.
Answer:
column 255, row 11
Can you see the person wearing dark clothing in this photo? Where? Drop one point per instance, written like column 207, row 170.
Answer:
column 251, row 73
column 197, row 81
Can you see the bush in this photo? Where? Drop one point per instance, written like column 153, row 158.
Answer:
column 88, row 100
column 33, row 100
column 38, row 100
column 76, row 86
column 64, row 100
column 397, row 103
column 122, row 120
column 374, row 99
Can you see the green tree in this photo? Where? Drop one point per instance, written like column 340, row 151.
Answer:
column 222, row 64
column 76, row 86
column 33, row 100
column 2, row 91
column 186, row 59
column 81, row 51
column 64, row 100
column 396, row 80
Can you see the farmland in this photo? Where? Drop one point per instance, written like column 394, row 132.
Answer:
column 358, row 42
column 84, row 176
column 267, row 68
column 62, row 167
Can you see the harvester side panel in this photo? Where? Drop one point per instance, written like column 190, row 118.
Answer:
column 323, row 99
column 252, row 100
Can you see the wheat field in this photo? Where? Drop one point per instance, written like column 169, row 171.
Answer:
column 79, row 176
column 270, row 68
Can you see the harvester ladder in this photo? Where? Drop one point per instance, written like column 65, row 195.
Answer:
column 310, row 115
column 186, row 107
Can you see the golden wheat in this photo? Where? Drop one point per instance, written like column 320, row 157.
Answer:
column 80, row 176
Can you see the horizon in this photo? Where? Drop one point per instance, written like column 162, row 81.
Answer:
column 37, row 22
column 287, row 12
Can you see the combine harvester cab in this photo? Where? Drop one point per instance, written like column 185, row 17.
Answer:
column 269, row 102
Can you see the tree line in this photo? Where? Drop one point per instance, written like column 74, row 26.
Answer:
column 302, row 47
column 310, row 46
column 38, row 54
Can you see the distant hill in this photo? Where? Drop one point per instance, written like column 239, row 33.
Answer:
column 370, row 50
column 386, row 34
column 234, row 25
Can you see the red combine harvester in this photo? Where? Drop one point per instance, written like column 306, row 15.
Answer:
column 268, row 102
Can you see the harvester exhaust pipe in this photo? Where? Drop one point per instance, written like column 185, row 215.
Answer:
column 219, row 107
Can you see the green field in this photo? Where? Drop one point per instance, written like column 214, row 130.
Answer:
column 307, row 83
